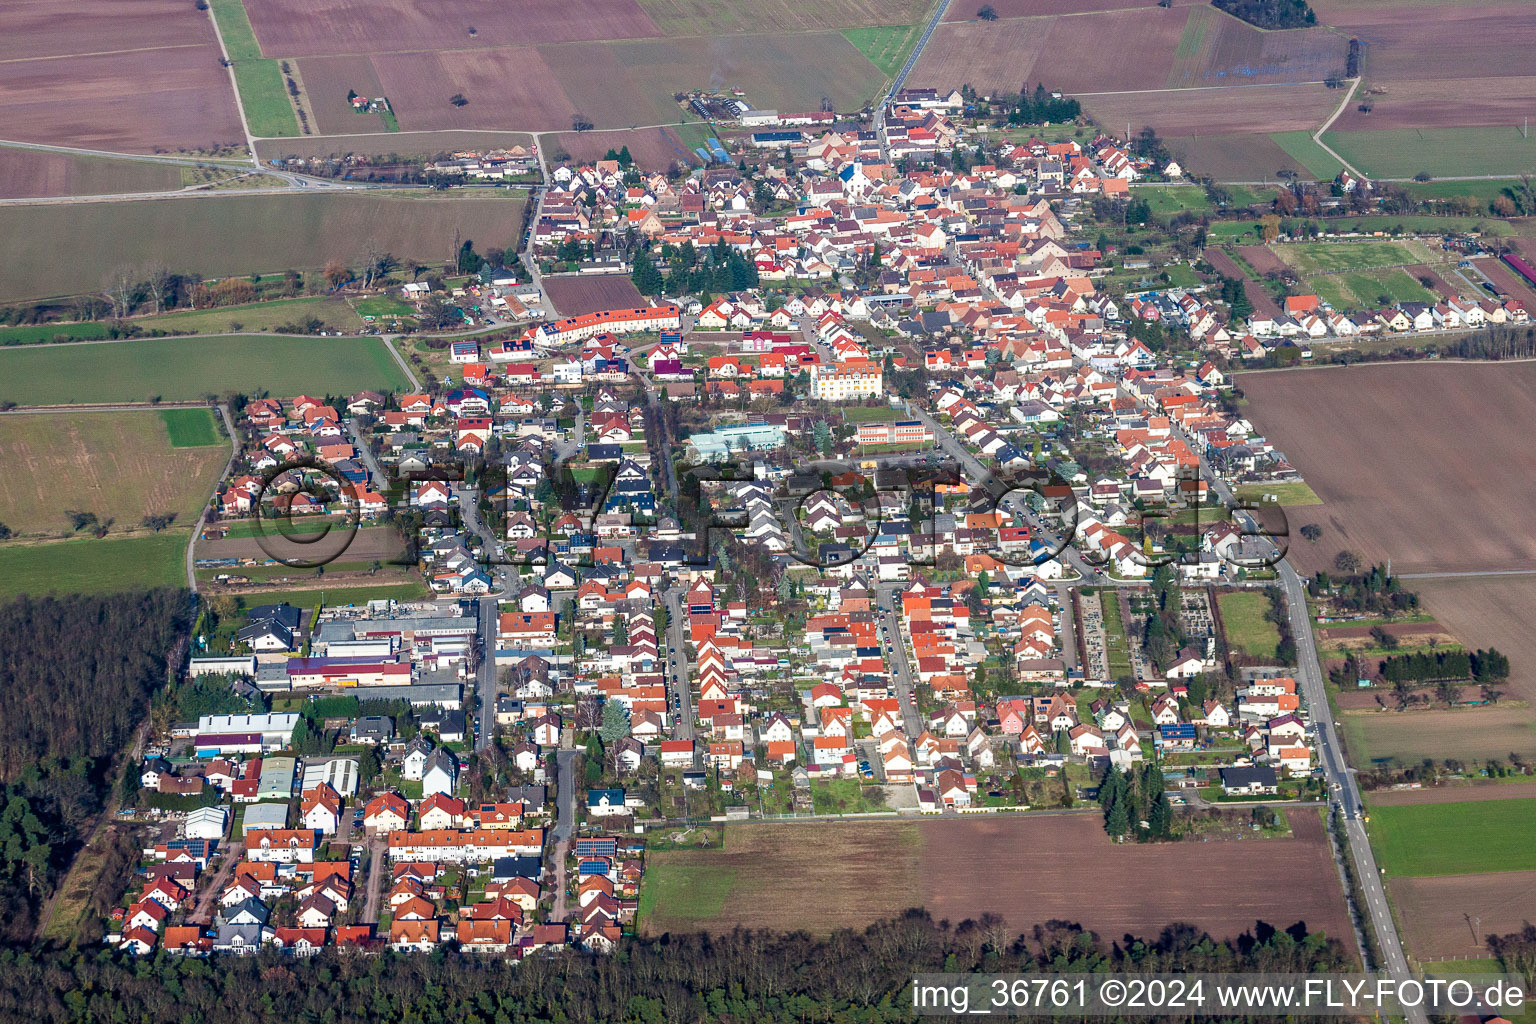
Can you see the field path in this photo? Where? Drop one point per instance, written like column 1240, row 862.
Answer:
column 1317, row 136
column 234, row 86
column 197, row 527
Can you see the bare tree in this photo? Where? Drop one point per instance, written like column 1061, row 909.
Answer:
column 370, row 262
column 118, row 288
column 157, row 282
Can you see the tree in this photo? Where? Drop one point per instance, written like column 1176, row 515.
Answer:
column 337, row 274
column 368, row 765
column 615, row 724
column 1312, row 532
column 1346, row 562
column 159, row 520
column 458, row 99
column 822, row 435
column 1269, row 227
column 987, row 13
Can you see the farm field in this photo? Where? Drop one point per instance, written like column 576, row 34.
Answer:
column 1456, row 838
column 94, row 566
column 1471, row 735
column 1452, row 794
column 37, row 334
column 119, row 466
column 1435, row 912
column 1403, row 486
column 257, row 316
column 1242, row 615
column 1366, row 289
column 105, row 75
column 886, row 46
column 1233, row 156
column 1326, row 257
column 651, row 148
column 1490, row 611
column 180, row 369
column 1442, row 152
column 67, row 249
column 823, row 876
column 1220, row 49
column 28, row 173
column 1267, row 109
column 1314, row 158
column 724, row 17
column 585, row 293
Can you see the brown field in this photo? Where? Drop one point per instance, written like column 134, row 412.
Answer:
column 1490, row 611
column 173, row 98
column 1437, row 41
column 326, row 81
column 631, row 82
column 25, row 173
column 1507, row 281
column 1225, row 265
column 1136, row 46
column 1029, row 869
column 575, row 295
column 1233, row 52
column 297, row 28
column 1442, row 103
column 1466, row 734
column 654, row 149
column 1262, row 259
column 1421, row 463
column 385, row 143
column 1034, row 8
column 1273, row 108
column 1451, row 915
column 1232, row 157
column 711, row 17
column 50, row 28
column 1476, row 792
column 118, row 465
column 1438, row 284
column 506, row 86
column 367, row 544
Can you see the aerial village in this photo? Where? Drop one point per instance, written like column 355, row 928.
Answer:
column 909, row 517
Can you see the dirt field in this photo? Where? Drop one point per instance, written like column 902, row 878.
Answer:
column 1490, row 612
column 1437, row 283
column 1219, row 49
column 1262, row 259
column 295, row 28
column 367, row 544
column 1441, row 103
column 1277, row 108
column 1452, row 915
column 654, row 149
column 1225, row 265
column 25, row 173
column 118, row 465
column 1474, row 793
column 326, row 83
column 507, row 86
column 168, row 98
column 1232, row 157
column 832, row 875
column 1428, row 484
column 712, row 17
column 1438, row 41
column 1508, row 282
column 574, row 295
column 1344, row 638
column 1034, row 8
column 1466, row 734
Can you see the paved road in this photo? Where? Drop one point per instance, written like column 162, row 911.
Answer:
column 901, row 76
column 895, row 649
column 679, row 691
column 365, row 452
column 202, row 516
column 487, row 686
column 1337, row 774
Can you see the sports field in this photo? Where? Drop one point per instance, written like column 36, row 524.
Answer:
column 1368, row 289
column 1242, row 615
column 182, row 369
column 120, row 466
column 1455, row 839
column 57, row 250
column 94, row 566
column 1327, row 257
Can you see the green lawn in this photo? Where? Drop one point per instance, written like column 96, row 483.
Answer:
column 190, row 428
column 1286, row 494
column 1171, row 199
column 257, row 316
column 1247, row 628
column 886, row 46
column 1315, row 257
column 1397, row 284
column 382, row 305
column 1330, row 288
column 1300, row 147
column 871, row 414
column 179, row 369
column 267, row 110
column 845, row 796
column 36, row 334
column 92, row 566
column 1483, row 191
column 1249, row 195
column 1442, row 152
column 694, row 891
column 1455, row 839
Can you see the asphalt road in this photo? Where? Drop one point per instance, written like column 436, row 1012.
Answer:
column 895, row 649
column 679, row 691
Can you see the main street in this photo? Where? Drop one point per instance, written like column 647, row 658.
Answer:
column 895, row 649
column 487, row 687
column 1337, row 774
column 679, row 692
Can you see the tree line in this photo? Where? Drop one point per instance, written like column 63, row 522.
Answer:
column 1042, row 107
column 720, row 268
column 1128, row 799
column 760, row 976
column 78, row 672
column 1480, row 666
column 1270, row 13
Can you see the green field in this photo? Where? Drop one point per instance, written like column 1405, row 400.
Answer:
column 1243, row 616
column 886, row 46
column 190, row 428
column 181, row 369
column 260, row 80
column 871, row 414
column 335, row 314
column 94, row 566
column 1316, row 257
column 1483, row 191
column 1455, row 839
column 1396, row 284
column 1300, row 147
column 37, row 334
column 68, row 249
column 686, row 890
column 1171, row 199
column 1442, row 152
column 1286, row 494
column 382, row 305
